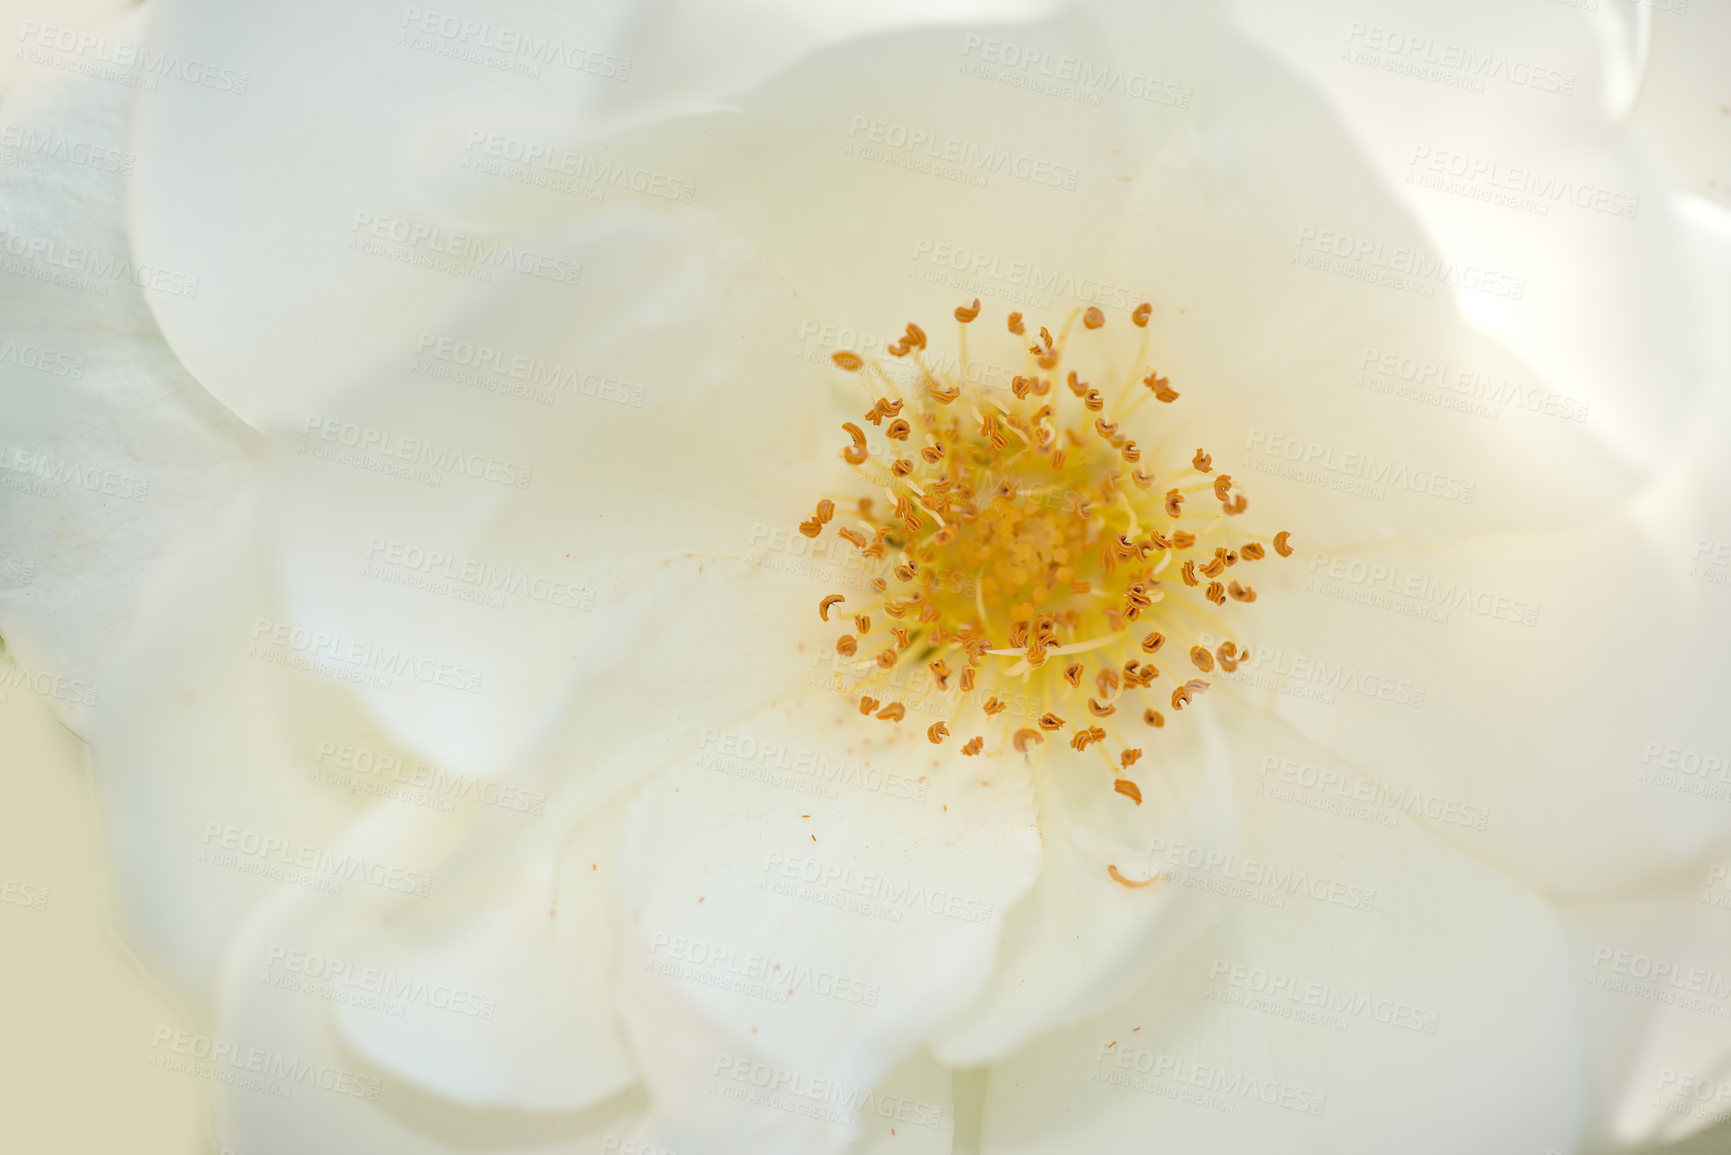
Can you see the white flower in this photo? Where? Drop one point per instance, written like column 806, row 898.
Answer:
column 481, row 767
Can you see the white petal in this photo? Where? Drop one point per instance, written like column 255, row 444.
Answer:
column 279, row 179
column 813, row 891
column 1508, row 688
column 909, row 1111
column 510, row 995
column 109, row 448
column 336, row 1100
column 1347, row 408
column 1502, row 133
column 528, row 544
column 1331, row 1009
column 40, row 26
column 1680, row 113
column 1656, row 968
column 207, row 756
column 1081, row 940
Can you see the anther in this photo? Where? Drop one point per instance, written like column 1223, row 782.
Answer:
column 901, row 467
column 974, row 746
column 846, row 646
column 1162, row 387
column 894, row 712
column 932, row 454
column 1235, row 504
column 966, row 313
column 1152, row 641
column 899, row 429
column 1073, row 674
column 1201, row 659
column 1129, row 758
column 1215, row 593
column 1128, row 789
column 1083, row 738
column 855, row 454
column 1240, row 593
column 1101, row 710
column 993, row 706
column 884, row 408
column 887, row 658
column 867, row 705
column 1252, row 551
column 848, row 361
column 1130, row 452
column 1023, row 740
column 1153, row 717
column 1282, row 543
column 937, row 732
column 1016, row 326
column 1174, row 503
column 1118, row 877
column 907, row 571
column 968, row 680
column 862, row 624
column 1140, row 317
column 823, row 606
column 1093, row 318
column 1051, row 721
column 940, row 673
column 854, row 536
column 1188, row 573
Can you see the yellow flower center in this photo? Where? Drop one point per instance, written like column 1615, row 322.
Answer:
column 1028, row 551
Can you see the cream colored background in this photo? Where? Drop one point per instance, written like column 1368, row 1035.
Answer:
column 77, row 1012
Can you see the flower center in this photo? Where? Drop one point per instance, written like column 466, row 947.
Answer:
column 1032, row 561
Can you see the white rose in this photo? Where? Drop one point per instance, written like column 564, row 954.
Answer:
column 479, row 770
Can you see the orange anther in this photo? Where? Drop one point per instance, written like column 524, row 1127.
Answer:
column 907, row 571
column 1022, row 740
column 1182, row 539
column 901, row 467
column 823, row 606
column 811, row 527
column 898, row 430
column 1153, row 717
column 1073, row 674
column 1130, row 452
column 1162, row 387
column 867, row 705
column 1202, row 462
column 993, row 706
column 1283, row 543
column 894, row 712
column 1188, row 573
column 854, row 454
column 1093, row 402
column 902, row 642
column 1100, row 710
column 848, row 361
column 1182, row 695
column 1240, row 593
column 1201, row 659
column 854, row 536
column 940, row 673
column 1235, row 504
column 1140, row 316
column 1051, row 721
column 1118, row 877
column 862, row 623
column 1152, row 642
column 968, row 680
column 1093, row 318
column 1252, row 551
column 974, row 746
column 1215, row 593
column 1083, row 738
column 932, row 454
column 1174, row 503
column 887, row 658
column 883, row 408
column 1128, row 789
column 846, row 646
column 937, row 732
column 1223, row 486
column 1016, row 324
column 966, row 313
